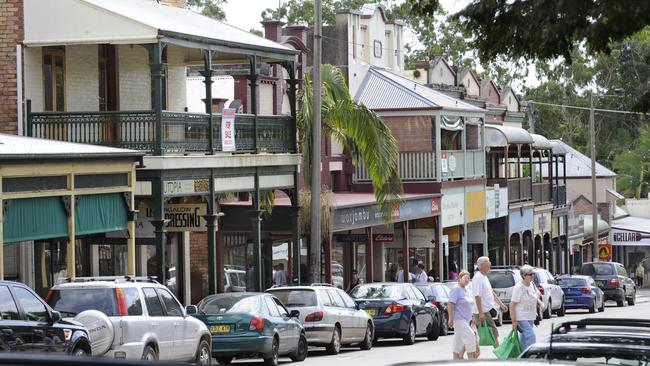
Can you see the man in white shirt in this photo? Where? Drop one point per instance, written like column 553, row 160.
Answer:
column 400, row 276
column 421, row 275
column 280, row 276
column 486, row 298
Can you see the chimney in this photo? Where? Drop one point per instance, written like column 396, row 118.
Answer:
column 298, row 31
column 175, row 3
column 273, row 29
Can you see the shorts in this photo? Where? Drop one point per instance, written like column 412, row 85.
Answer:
column 490, row 322
column 465, row 336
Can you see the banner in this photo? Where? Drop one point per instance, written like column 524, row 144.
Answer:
column 228, row 130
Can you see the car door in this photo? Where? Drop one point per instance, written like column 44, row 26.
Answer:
column 184, row 344
column 346, row 318
column 421, row 317
column 161, row 326
column 358, row 332
column 624, row 278
column 293, row 325
column 279, row 323
column 556, row 291
column 428, row 308
column 15, row 334
column 37, row 318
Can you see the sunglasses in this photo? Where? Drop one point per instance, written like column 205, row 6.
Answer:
column 528, row 274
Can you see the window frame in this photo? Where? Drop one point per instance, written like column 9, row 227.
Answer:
column 271, row 307
column 284, row 312
column 12, row 301
column 22, row 309
column 160, row 291
column 349, row 302
column 146, row 300
column 53, row 52
column 320, row 293
column 333, row 295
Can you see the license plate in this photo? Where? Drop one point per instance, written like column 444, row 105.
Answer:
column 568, row 300
column 371, row 312
column 220, row 329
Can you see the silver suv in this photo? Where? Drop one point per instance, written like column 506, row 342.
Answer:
column 330, row 316
column 134, row 318
column 503, row 280
column 552, row 294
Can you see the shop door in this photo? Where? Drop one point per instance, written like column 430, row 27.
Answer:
column 50, row 264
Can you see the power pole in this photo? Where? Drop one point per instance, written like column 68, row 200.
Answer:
column 594, row 202
column 315, row 242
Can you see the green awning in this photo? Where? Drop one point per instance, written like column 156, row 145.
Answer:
column 35, row 219
column 100, row 213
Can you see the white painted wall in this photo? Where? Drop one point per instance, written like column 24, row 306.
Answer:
column 510, row 101
column 422, row 78
column 442, row 75
column 222, row 87
column 176, row 79
column 82, row 78
column 135, row 77
column 471, row 86
column 577, row 187
column 33, row 59
column 266, row 99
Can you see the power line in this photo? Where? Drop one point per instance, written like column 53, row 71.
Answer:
column 585, row 108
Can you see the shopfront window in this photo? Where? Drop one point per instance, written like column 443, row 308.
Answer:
column 50, row 264
column 394, row 260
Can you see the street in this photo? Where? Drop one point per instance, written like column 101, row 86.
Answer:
column 389, row 352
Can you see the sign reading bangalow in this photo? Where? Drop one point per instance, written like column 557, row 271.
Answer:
column 228, row 130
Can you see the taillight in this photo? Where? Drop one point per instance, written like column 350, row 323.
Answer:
column 257, row 323
column 615, row 283
column 314, row 317
column 121, row 302
column 541, row 290
column 586, row 290
column 437, row 304
column 392, row 309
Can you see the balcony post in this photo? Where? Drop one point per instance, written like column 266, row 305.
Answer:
column 290, row 66
column 295, row 236
column 157, row 73
column 550, row 172
column 28, row 110
column 405, row 251
column 464, row 142
column 256, row 222
column 159, row 224
column 252, row 77
column 210, row 223
column 438, row 148
column 530, row 169
column 207, row 80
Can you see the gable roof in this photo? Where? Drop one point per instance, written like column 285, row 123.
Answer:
column 368, row 10
column 507, row 90
column 578, row 165
column 63, row 22
column 439, row 59
column 466, row 70
column 384, row 90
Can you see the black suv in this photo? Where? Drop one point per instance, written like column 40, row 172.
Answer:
column 612, row 278
column 28, row 324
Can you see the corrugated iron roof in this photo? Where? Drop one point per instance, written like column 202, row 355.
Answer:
column 579, row 165
column 382, row 89
column 21, row 147
column 501, row 136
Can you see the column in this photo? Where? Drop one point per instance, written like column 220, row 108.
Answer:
column 210, row 223
column 159, row 226
column 438, row 148
column 157, row 73
column 71, row 260
column 292, row 83
column 252, row 77
column 370, row 270
column 327, row 246
column 295, row 236
column 256, row 223
column 207, row 80
column 439, row 257
column 405, row 250
column 463, row 249
column 219, row 257
column 130, row 242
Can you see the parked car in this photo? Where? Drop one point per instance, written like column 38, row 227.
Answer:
column 234, row 280
column 552, row 294
column 252, row 325
column 330, row 317
column 135, row 318
column 29, row 325
column 398, row 310
column 438, row 294
column 599, row 341
column 612, row 278
column 497, row 313
column 581, row 292
column 503, row 281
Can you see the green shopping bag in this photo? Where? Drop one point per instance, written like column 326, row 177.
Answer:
column 485, row 335
column 510, row 348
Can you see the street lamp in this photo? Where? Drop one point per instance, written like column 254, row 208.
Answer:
column 592, row 140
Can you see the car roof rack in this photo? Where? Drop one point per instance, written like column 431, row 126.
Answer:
column 616, row 322
column 116, row 279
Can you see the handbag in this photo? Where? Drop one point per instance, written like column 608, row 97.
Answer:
column 485, row 335
column 510, row 347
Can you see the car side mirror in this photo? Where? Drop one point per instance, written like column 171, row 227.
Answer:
column 55, row 317
column 431, row 298
column 294, row 314
column 191, row 310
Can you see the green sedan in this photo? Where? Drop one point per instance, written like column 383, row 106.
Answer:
column 252, row 325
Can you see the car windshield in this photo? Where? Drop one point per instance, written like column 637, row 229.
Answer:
column 377, row 292
column 295, row 298
column 70, row 302
column 571, row 282
column 501, row 279
column 597, row 269
column 441, row 292
column 230, row 304
column 237, row 279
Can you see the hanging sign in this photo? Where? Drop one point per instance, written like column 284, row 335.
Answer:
column 605, row 252
column 182, row 217
column 383, row 237
column 443, row 165
column 228, row 130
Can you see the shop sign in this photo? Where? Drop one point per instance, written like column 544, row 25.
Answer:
column 445, row 244
column 475, row 202
column 496, row 202
column 351, row 238
column 421, row 238
column 576, row 224
column 228, row 130
column 453, row 205
column 371, row 215
column 186, row 187
column 542, row 223
column 519, row 221
column 182, row 217
column 630, row 238
column 605, row 252
column 452, row 163
column 383, row 237
column 443, row 165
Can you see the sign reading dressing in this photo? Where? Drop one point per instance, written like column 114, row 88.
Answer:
column 182, row 217
column 228, row 130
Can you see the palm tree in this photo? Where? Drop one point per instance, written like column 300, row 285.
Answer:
column 357, row 128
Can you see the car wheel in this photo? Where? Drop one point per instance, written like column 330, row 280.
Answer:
column 602, row 305
column 435, row 329
column 562, row 310
column 79, row 352
column 632, row 300
column 301, row 352
column 499, row 321
column 224, row 360
column 274, row 357
column 444, row 325
column 621, row 303
column 335, row 344
column 548, row 311
column 592, row 309
column 409, row 338
column 368, row 340
column 203, row 354
column 149, row 354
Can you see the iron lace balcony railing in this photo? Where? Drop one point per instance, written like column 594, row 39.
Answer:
column 412, row 166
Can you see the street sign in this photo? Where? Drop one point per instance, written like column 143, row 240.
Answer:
column 605, row 252
column 445, row 244
column 228, row 130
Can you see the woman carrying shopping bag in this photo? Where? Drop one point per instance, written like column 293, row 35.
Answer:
column 523, row 307
column 459, row 309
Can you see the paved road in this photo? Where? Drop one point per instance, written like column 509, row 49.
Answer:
column 389, row 352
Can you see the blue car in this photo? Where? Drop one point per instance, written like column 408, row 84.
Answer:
column 581, row 292
column 398, row 310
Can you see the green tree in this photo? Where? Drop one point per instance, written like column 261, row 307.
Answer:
column 633, row 167
column 302, row 11
column 210, row 8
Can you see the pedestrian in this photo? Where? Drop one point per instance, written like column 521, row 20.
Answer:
column 523, row 307
column 640, row 272
column 354, row 282
column 421, row 275
column 391, row 274
column 459, row 311
column 280, row 276
column 486, row 299
column 400, row 276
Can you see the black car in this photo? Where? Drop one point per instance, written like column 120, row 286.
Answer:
column 28, row 324
column 612, row 278
column 438, row 294
column 616, row 341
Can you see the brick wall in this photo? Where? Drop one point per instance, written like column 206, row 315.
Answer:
column 135, row 78
column 81, row 78
column 11, row 32
column 176, row 79
column 411, row 133
column 198, row 265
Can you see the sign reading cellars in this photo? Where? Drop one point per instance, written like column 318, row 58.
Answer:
column 348, row 218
